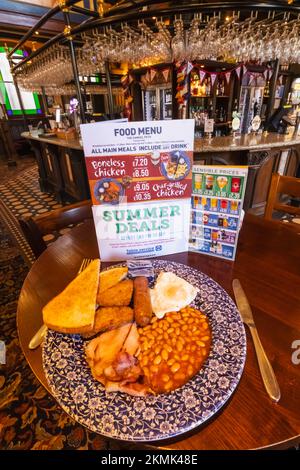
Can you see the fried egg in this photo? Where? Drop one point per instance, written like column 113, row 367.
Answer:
column 170, row 294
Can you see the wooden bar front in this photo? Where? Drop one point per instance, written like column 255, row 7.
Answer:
column 62, row 168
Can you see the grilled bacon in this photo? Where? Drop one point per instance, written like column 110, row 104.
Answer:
column 111, row 357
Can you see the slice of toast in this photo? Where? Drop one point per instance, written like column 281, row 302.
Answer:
column 73, row 310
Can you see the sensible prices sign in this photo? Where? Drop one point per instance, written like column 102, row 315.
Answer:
column 133, row 170
column 217, row 209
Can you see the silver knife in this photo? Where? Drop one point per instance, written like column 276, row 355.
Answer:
column 37, row 339
column 265, row 367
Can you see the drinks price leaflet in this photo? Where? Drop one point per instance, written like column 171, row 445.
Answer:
column 140, row 177
column 217, row 200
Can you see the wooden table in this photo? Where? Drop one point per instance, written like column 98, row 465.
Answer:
column 268, row 266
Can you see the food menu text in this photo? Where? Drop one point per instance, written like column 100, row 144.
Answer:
column 137, row 162
column 140, row 177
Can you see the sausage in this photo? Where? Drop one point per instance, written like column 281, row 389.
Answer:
column 141, row 301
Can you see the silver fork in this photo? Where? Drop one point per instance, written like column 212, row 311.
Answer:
column 37, row 339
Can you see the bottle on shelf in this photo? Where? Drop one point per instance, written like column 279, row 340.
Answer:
column 289, row 99
column 199, row 116
column 210, row 111
column 208, row 86
column 221, row 115
column 195, row 82
column 255, row 108
column 235, row 109
column 168, row 97
column 221, row 87
column 267, row 89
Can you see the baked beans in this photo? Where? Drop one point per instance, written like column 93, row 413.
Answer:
column 173, row 349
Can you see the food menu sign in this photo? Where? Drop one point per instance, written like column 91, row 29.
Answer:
column 140, row 177
column 217, row 200
column 139, row 161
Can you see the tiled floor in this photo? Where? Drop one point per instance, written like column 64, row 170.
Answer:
column 21, row 196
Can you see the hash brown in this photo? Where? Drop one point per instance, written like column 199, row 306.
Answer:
column 109, row 318
column 116, row 296
column 111, row 277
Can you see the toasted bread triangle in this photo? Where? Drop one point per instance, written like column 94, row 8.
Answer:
column 73, row 310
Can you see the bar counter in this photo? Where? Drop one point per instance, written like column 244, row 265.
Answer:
column 262, row 141
column 67, row 143
column 216, row 144
column 62, row 167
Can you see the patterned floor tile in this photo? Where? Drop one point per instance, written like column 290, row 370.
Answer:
column 21, row 197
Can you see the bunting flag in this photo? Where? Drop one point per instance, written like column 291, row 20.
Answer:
column 213, row 77
column 152, row 74
column 202, row 75
column 238, row 71
column 165, row 73
column 270, row 73
column 245, row 70
column 189, row 68
column 266, row 73
column 227, row 77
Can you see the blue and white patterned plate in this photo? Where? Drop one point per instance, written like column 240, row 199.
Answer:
column 120, row 416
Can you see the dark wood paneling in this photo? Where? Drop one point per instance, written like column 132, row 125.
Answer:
column 73, row 172
column 261, row 173
column 54, row 177
column 292, row 163
column 137, row 105
column 43, row 181
column 7, row 18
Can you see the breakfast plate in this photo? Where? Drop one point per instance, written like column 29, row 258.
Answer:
column 162, row 416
